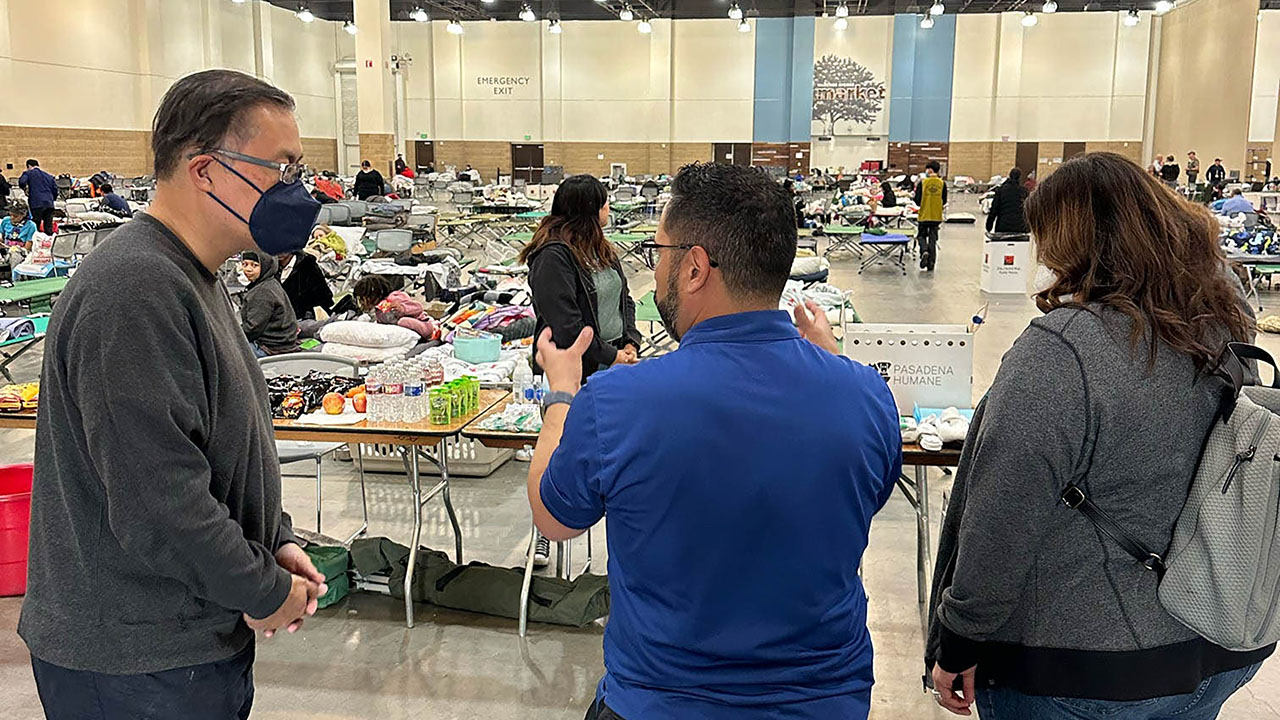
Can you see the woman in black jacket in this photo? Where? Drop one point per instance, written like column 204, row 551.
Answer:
column 888, row 198
column 368, row 183
column 1006, row 214
column 577, row 279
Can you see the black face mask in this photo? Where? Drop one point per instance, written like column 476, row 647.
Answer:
column 282, row 218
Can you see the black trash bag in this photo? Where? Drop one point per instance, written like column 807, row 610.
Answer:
column 482, row 588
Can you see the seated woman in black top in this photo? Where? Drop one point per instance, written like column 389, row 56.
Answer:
column 577, row 279
column 887, row 197
column 1006, row 215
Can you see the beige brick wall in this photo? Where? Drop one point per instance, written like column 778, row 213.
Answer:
column 1004, row 156
column 1044, row 159
column 970, row 158
column 320, row 153
column 379, row 149
column 78, row 151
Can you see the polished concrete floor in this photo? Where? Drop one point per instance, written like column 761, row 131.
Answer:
column 357, row 660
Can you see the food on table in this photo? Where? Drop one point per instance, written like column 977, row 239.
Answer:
column 15, row 398
column 310, row 390
column 292, row 406
column 357, row 390
column 334, row 403
column 360, row 403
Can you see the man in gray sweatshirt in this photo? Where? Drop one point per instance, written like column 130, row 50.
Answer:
column 158, row 543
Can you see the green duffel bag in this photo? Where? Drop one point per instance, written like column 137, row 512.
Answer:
column 333, row 563
column 477, row 587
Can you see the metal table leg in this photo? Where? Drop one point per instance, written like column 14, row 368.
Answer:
column 924, row 555
column 411, row 465
column 528, row 580
column 443, row 462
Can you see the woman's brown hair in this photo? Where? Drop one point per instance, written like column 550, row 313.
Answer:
column 575, row 221
column 1118, row 237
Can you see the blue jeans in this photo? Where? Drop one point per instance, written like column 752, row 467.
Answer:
column 220, row 690
column 258, row 352
column 1203, row 704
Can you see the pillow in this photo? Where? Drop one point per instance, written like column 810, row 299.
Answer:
column 366, row 354
column 807, row 266
column 368, row 335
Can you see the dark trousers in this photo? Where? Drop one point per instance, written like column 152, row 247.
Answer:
column 221, row 690
column 43, row 218
column 928, row 236
column 600, row 711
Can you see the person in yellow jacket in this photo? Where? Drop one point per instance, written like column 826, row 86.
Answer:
column 931, row 195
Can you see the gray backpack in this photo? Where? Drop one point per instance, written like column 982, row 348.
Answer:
column 1221, row 574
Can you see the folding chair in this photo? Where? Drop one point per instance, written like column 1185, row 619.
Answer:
column 77, row 207
column 64, row 248
column 85, row 241
column 339, row 214
column 463, row 199
column 325, row 216
column 357, row 208
column 291, row 451
column 624, row 193
column 395, row 240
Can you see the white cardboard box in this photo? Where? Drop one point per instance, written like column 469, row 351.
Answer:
column 926, row 365
column 1006, row 267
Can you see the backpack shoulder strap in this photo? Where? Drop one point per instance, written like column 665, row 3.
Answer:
column 1075, row 498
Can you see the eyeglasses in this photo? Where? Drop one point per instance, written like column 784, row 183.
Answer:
column 289, row 172
column 650, row 249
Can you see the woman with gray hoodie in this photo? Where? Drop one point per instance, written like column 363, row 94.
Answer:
column 266, row 315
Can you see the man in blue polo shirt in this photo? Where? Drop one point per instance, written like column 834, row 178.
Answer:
column 739, row 475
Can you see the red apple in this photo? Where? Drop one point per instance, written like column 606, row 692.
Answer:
column 360, row 402
column 333, row 403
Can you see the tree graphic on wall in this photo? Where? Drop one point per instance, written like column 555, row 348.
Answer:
column 845, row 90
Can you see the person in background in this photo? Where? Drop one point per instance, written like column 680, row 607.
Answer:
column 266, row 314
column 1006, row 215
column 431, row 166
column 732, row 598
column 931, row 196
column 5, row 190
column 322, row 197
column 305, row 285
column 1030, row 184
column 160, row 438
column 401, row 165
column 16, row 232
column 371, row 290
column 1193, row 169
column 42, row 190
column 368, row 182
column 888, row 198
column 1170, row 172
column 1216, row 175
column 1236, row 202
column 113, row 203
column 577, row 281
column 1036, row 613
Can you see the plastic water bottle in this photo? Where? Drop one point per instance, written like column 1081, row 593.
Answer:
column 393, row 394
column 414, row 393
column 373, row 393
column 522, row 383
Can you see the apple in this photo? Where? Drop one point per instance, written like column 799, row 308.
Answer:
column 360, row 402
column 333, row 403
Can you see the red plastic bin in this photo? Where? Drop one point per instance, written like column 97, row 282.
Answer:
column 15, row 520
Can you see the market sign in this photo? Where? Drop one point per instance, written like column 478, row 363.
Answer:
column 846, row 94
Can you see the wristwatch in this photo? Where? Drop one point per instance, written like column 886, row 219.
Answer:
column 556, row 397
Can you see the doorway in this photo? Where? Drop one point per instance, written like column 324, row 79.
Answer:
column 527, row 163
column 732, row 153
column 1027, row 157
column 1071, row 150
column 424, row 154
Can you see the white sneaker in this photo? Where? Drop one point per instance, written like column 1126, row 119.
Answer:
column 952, row 426
column 929, row 438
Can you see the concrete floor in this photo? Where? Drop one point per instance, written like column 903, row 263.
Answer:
column 357, row 660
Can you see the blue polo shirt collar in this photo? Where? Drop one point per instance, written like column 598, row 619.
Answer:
column 756, row 326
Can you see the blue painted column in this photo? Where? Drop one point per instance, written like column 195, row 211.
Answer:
column 783, row 79
column 923, row 67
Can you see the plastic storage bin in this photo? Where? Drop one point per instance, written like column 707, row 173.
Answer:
column 15, row 521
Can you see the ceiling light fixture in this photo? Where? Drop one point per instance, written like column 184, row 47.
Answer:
column 735, row 12
column 303, row 13
column 841, row 24
column 238, row 2
column 1131, row 18
column 1050, row 7
column 926, row 22
column 1030, row 19
column 744, row 26
column 644, row 27
column 938, row 8
column 553, row 26
column 419, row 15
column 626, row 15
column 526, row 14
column 1164, row 6
column 842, row 10
column 350, row 27
column 454, row 27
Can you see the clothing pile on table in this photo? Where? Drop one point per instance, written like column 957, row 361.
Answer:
column 828, row 297
column 514, row 418
column 16, row 328
column 16, row 398
column 934, row 431
column 292, row 396
column 493, row 373
column 511, row 322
